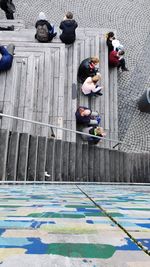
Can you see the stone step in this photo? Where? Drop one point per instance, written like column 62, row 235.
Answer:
column 18, row 23
column 34, row 87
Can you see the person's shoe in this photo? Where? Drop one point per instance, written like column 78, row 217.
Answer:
column 54, row 34
column 99, row 93
column 11, row 49
column 11, row 28
column 125, row 69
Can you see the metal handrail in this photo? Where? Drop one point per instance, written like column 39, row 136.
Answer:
column 59, row 128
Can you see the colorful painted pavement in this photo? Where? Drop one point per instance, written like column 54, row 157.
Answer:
column 58, row 225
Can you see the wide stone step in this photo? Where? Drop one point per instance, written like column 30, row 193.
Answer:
column 18, row 23
column 34, row 87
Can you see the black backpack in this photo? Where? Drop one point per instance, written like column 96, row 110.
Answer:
column 42, row 34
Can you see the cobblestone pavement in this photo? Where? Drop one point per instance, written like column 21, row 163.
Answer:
column 131, row 19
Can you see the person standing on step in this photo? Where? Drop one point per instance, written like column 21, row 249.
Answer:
column 44, row 30
column 68, row 27
column 90, row 86
column 8, row 7
column 6, row 57
column 87, row 68
column 85, row 116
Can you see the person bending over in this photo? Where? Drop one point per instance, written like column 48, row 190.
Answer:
column 116, row 59
column 90, row 87
column 87, row 68
column 95, row 131
column 85, row 116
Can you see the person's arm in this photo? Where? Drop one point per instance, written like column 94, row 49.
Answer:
column 61, row 25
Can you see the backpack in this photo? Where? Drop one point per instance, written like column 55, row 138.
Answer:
column 42, row 34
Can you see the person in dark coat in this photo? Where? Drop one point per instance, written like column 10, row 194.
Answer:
column 87, row 68
column 8, row 7
column 68, row 26
column 116, row 59
column 86, row 116
column 7, row 57
column 41, row 21
column 109, row 40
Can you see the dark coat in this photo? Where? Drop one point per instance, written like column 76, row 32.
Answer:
column 83, row 119
column 85, row 70
column 68, row 27
column 110, row 46
column 6, row 60
column 50, row 28
column 8, row 7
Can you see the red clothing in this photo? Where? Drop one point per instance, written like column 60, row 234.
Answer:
column 113, row 58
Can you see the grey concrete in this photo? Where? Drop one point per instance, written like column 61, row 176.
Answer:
column 131, row 20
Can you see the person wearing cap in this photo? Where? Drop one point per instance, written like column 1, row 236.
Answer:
column 6, row 57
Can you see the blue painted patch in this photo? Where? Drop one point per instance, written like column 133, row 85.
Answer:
column 89, row 221
column 88, row 210
column 2, row 231
column 144, row 225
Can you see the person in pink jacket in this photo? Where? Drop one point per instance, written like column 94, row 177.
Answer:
column 90, row 86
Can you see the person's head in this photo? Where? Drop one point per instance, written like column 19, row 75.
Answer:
column 84, row 112
column 95, row 60
column 42, row 16
column 99, row 131
column 96, row 78
column 121, row 52
column 110, row 35
column 69, row 15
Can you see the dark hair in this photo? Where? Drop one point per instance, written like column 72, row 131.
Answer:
column 110, row 35
column 69, row 15
column 121, row 52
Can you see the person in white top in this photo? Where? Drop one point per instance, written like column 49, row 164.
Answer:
column 90, row 86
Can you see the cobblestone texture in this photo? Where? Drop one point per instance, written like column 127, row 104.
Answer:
column 131, row 19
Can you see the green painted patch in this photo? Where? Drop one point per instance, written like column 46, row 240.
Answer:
column 73, row 250
column 56, row 215
column 10, row 206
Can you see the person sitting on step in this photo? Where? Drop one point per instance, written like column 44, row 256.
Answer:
column 8, row 7
column 87, row 68
column 85, row 116
column 6, row 57
column 90, row 86
column 68, row 27
column 44, row 30
column 95, row 131
column 116, row 59
column 109, row 40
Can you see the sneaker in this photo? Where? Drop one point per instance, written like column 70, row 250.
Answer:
column 125, row 69
column 46, row 174
column 99, row 93
column 11, row 28
column 54, row 34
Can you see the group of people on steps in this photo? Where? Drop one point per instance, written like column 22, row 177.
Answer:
column 88, row 73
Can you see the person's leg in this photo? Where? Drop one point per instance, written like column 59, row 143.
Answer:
column 93, row 122
column 122, row 64
column 9, row 15
column 94, row 113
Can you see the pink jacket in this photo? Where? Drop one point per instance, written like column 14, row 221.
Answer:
column 88, row 86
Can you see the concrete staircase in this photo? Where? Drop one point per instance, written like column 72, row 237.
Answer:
column 25, row 157
column 42, row 84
